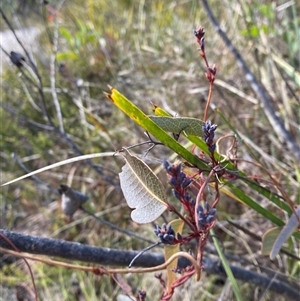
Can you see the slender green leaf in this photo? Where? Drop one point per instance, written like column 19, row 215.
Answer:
column 143, row 120
column 226, row 266
column 67, row 35
column 61, row 163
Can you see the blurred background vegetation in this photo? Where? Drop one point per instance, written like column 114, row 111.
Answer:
column 146, row 50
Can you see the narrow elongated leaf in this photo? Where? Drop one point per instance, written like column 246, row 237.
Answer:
column 142, row 190
column 226, row 267
column 61, row 163
column 143, row 120
column 177, row 125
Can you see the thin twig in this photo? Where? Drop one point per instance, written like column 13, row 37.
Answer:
column 114, row 227
column 33, row 66
column 52, row 78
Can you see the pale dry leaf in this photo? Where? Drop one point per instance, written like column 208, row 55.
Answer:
column 142, row 190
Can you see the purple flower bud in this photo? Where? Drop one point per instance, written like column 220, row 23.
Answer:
column 165, row 233
column 202, row 44
column 168, row 238
column 212, row 148
column 176, row 194
column 169, row 168
column 201, row 221
column 200, row 209
column 181, row 177
column 212, row 211
column 178, row 168
column 173, row 182
column 213, row 127
column 210, row 218
column 186, row 183
column 206, row 206
column 170, row 230
column 201, row 215
column 166, row 164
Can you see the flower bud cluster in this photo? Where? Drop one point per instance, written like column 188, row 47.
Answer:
column 209, row 135
column 165, row 233
column 199, row 34
column 179, row 181
column 206, row 215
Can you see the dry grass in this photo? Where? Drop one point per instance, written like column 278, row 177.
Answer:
column 148, row 52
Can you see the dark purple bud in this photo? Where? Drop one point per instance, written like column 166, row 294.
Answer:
column 206, row 206
column 187, row 197
column 186, row 183
column 206, row 139
column 157, row 230
column 166, row 164
column 181, row 177
column 206, row 126
column 178, row 168
column 213, row 127
column 212, row 211
column 200, row 209
column 210, row 218
column 165, row 233
column 17, row 59
column 199, row 33
column 170, row 230
column 168, row 238
column 176, row 194
column 212, row 148
column 173, row 182
column 201, row 215
column 202, row 44
column 201, row 221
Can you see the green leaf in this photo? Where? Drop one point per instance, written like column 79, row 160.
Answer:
column 178, row 125
column 67, row 35
column 69, row 55
column 143, row 120
column 252, row 204
column 142, row 190
column 194, row 139
column 226, row 266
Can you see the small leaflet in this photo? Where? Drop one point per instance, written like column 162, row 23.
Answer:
column 177, row 125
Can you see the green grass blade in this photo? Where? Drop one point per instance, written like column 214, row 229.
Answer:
column 226, row 267
column 259, row 209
